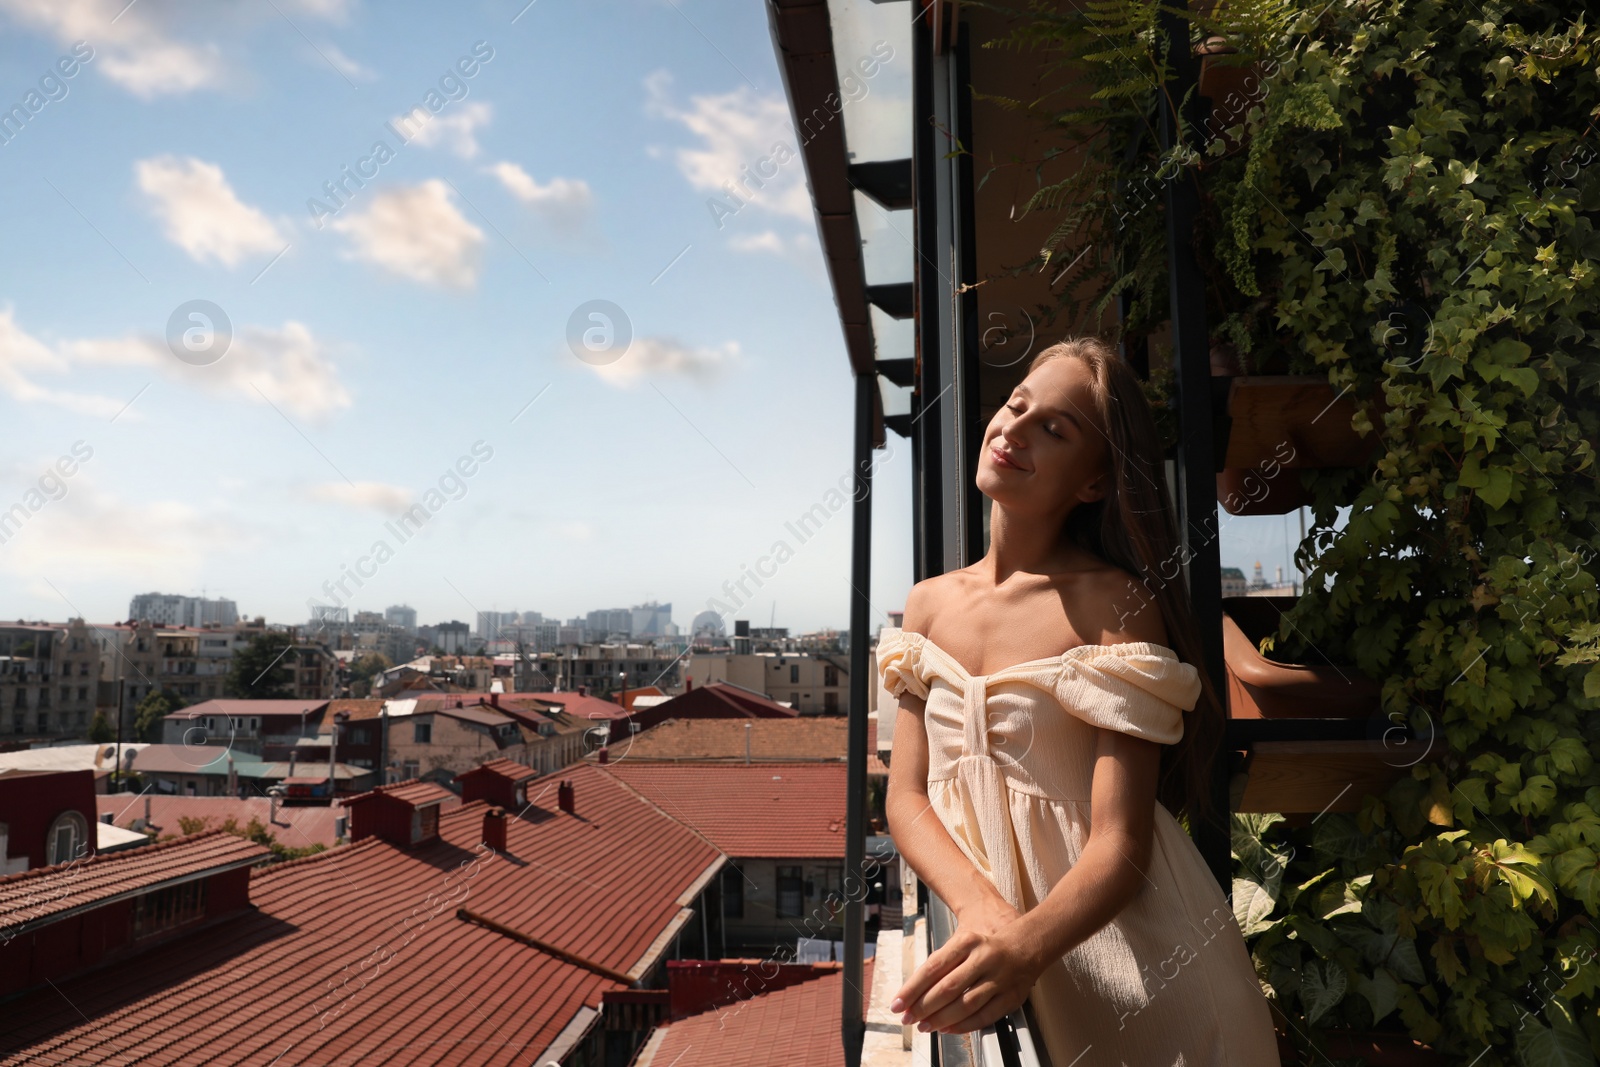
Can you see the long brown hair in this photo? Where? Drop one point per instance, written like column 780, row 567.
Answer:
column 1133, row 527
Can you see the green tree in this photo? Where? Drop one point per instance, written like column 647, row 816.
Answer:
column 362, row 668
column 262, row 670
column 101, row 730
column 151, row 710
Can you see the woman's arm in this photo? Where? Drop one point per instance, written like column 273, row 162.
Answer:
column 919, row 836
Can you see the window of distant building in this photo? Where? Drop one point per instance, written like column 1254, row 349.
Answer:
column 732, row 892
column 167, row 908
column 422, row 733
column 790, row 892
column 830, row 675
column 794, row 674
column 68, row 838
column 408, row 769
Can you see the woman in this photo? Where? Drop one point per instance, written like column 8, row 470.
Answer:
column 1049, row 734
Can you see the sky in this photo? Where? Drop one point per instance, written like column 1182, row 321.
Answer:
column 278, row 273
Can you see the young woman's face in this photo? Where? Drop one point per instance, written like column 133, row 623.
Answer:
column 1044, row 451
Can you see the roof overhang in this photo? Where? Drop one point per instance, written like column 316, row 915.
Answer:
column 802, row 33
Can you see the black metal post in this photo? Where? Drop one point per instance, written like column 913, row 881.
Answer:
column 1197, row 481
column 853, row 1023
column 116, row 772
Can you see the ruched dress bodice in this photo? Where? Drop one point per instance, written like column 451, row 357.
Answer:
column 1168, row 982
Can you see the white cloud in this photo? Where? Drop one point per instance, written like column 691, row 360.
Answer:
column 770, row 241
column 201, row 213
column 23, row 356
column 287, row 365
column 417, row 233
column 375, row 496
column 745, row 138
column 660, row 356
column 155, row 49
column 93, row 535
column 351, row 69
column 331, row 10
column 456, row 130
column 135, row 51
column 563, row 202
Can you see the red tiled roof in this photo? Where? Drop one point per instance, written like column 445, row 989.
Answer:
column 809, row 737
column 797, row 1026
column 510, row 770
column 48, row 893
column 585, row 707
column 356, row 955
column 481, row 714
column 356, row 709
column 413, row 791
column 774, row 810
column 723, row 700
column 297, row 826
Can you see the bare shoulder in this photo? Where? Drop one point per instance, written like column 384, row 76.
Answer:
column 1122, row 608
column 922, row 603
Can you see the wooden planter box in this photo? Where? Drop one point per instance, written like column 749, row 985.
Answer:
column 1377, row 1049
column 1233, row 87
column 1298, row 777
column 1259, row 688
column 1381, row 1049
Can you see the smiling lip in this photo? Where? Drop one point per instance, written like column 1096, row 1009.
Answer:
column 1005, row 460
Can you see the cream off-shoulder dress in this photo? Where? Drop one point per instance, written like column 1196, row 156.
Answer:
column 1168, row 982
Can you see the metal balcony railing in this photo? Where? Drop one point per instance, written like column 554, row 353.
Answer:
column 1010, row 1042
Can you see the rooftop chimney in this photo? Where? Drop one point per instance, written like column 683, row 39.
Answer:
column 494, row 699
column 494, row 829
column 605, row 754
column 583, row 690
column 564, row 797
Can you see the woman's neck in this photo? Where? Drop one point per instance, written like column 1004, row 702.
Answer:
column 1029, row 545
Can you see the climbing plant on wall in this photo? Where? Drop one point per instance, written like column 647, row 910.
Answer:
column 1406, row 202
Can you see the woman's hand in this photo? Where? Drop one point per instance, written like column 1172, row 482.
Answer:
column 982, row 973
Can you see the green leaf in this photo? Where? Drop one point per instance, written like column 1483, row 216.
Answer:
column 1561, row 1044
column 1251, row 906
column 1381, row 991
column 1322, row 987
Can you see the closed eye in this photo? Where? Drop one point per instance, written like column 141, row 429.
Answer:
column 1047, row 428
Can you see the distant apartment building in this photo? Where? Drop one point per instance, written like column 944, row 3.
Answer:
column 598, row 667
column 1234, row 582
column 652, row 620
column 165, row 609
column 140, row 658
column 316, row 669
column 48, row 679
column 453, row 636
column 326, row 619
column 402, row 616
column 810, row 683
column 608, row 623
column 490, row 624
